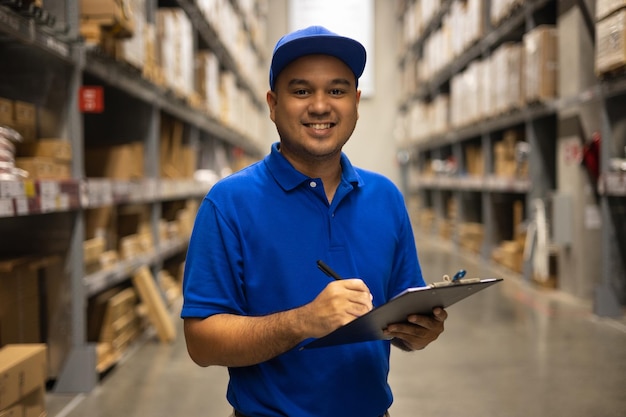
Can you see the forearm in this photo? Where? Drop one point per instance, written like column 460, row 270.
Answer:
column 231, row 340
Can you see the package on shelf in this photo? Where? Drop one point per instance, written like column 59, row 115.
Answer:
column 418, row 121
column 20, row 116
column 471, row 235
column 6, row 112
column 611, row 43
column 174, row 40
column 605, row 7
column 228, row 95
column 19, row 302
column 207, row 71
column 428, row 10
column 42, row 168
column 177, row 159
column 168, row 285
column 426, row 219
column 59, row 149
column 466, row 23
column 440, row 109
column 119, row 162
column 507, row 74
column 501, row 9
column 509, row 253
column 474, row 160
column 145, row 284
column 133, row 49
column 466, row 95
column 540, row 63
column 505, row 161
column 437, row 49
column 120, row 323
column 23, row 376
column 93, row 248
column 113, row 15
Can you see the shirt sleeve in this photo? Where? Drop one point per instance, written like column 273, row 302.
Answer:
column 212, row 281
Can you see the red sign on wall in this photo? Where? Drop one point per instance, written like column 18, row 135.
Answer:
column 91, row 99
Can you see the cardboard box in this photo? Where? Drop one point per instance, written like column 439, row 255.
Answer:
column 24, row 113
column 59, row 149
column 13, row 411
column 6, row 112
column 23, row 370
column 42, row 168
column 119, row 162
column 34, row 404
column 611, row 43
column 115, row 15
column 540, row 63
column 605, row 7
column 150, row 295
column 19, row 302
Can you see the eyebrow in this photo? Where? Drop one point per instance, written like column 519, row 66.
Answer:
column 336, row 81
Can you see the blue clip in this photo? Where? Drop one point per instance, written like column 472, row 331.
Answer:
column 459, row 275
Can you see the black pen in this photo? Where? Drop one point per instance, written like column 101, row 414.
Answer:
column 328, row 270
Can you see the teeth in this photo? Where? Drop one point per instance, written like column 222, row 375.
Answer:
column 320, row 125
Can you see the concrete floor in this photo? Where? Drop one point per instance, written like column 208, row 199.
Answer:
column 511, row 350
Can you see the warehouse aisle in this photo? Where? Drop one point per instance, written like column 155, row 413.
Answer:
column 512, row 350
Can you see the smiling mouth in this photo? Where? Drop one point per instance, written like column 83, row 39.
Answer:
column 319, row 126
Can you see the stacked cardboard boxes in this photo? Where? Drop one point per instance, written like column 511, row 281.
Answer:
column 610, row 37
column 19, row 115
column 23, row 375
column 48, row 158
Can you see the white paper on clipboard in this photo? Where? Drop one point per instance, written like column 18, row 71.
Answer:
column 418, row 300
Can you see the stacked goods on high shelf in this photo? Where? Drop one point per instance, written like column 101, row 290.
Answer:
column 23, row 375
column 164, row 53
column 514, row 76
column 501, row 9
column 242, row 33
column 610, row 37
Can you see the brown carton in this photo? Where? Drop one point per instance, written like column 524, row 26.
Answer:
column 23, row 370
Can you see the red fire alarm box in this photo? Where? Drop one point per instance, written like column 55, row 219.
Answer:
column 91, row 99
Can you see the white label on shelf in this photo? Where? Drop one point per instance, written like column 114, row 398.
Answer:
column 6, row 207
column 11, row 189
column 47, row 203
column 63, row 202
column 21, row 206
column 49, row 188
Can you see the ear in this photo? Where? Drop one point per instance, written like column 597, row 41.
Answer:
column 271, row 99
column 358, row 100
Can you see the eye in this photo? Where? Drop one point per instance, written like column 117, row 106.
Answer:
column 300, row 92
column 336, row 92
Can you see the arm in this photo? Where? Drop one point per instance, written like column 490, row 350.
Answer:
column 419, row 332
column 232, row 340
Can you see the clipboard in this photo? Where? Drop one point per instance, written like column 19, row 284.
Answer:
column 417, row 300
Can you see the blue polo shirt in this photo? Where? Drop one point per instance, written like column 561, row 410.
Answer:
column 253, row 251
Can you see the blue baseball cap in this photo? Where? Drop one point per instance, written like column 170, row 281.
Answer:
column 316, row 40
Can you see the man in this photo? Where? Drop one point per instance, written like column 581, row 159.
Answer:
column 253, row 294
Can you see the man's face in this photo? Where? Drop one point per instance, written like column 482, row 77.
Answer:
column 314, row 107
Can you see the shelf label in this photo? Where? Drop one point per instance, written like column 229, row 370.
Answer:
column 91, row 99
column 6, row 207
column 21, row 206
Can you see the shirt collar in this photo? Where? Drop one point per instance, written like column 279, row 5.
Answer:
column 289, row 178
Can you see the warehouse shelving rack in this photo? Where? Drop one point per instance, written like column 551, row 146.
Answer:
column 47, row 66
column 476, row 198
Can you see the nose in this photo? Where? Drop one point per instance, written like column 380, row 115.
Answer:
column 319, row 103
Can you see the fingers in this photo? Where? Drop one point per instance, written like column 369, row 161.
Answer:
column 420, row 330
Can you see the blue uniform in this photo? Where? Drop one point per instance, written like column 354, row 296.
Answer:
column 253, row 251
